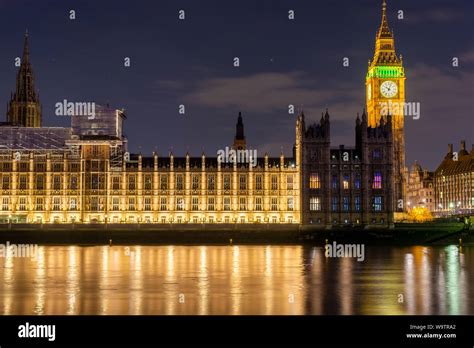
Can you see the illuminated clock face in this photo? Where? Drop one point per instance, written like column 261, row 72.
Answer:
column 389, row 89
column 369, row 92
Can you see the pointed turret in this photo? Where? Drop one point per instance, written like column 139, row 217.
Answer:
column 302, row 115
column 364, row 117
column 239, row 139
column 384, row 43
column 24, row 108
column 26, row 49
column 384, row 30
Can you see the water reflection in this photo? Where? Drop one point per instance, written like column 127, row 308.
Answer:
column 72, row 283
column 40, row 281
column 237, row 280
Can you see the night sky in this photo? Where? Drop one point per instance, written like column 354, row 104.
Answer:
column 282, row 62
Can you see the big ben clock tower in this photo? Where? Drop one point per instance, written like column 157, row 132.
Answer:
column 385, row 94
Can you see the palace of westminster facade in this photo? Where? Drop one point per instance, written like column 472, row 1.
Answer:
column 84, row 174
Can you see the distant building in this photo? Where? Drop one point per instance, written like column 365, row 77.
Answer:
column 420, row 188
column 454, row 182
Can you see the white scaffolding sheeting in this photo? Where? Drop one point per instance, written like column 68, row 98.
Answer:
column 29, row 138
column 107, row 122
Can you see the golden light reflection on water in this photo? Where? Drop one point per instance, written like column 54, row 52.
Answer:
column 72, row 283
column 236, row 285
column 40, row 282
column 170, row 281
column 8, row 284
column 237, row 280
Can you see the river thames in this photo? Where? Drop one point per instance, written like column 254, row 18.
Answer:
column 233, row 280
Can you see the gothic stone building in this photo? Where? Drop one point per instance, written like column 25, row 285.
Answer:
column 85, row 174
column 420, row 188
column 346, row 186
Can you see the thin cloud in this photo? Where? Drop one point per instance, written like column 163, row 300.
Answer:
column 467, row 57
column 435, row 15
column 267, row 92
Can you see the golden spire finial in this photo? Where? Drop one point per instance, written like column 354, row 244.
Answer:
column 26, row 48
column 384, row 30
column 384, row 10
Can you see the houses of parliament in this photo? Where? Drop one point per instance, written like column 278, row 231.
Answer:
column 85, row 174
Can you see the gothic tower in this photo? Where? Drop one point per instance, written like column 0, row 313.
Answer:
column 239, row 140
column 24, row 108
column 385, row 94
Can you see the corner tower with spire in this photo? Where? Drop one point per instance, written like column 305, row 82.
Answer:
column 385, row 94
column 24, row 108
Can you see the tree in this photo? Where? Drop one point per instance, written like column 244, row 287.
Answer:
column 420, row 214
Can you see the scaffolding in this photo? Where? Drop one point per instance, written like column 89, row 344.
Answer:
column 104, row 128
column 34, row 139
column 106, row 122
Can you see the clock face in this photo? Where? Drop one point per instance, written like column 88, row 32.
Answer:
column 369, row 92
column 389, row 89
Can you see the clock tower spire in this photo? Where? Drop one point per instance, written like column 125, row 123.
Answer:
column 385, row 95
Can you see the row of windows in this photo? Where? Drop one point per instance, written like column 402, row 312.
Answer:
column 96, row 205
column 41, row 166
column 458, row 178
column 181, row 219
column 196, row 182
column 40, row 182
column 58, row 167
column 345, row 155
column 315, row 203
column 460, row 202
column 315, row 181
column 97, row 181
column 39, row 204
column 209, row 219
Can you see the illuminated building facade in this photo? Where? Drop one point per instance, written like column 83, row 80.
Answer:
column 420, row 188
column 454, row 182
column 85, row 174
column 385, row 94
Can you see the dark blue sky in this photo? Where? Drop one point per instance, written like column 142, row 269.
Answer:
column 282, row 62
